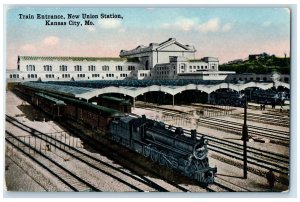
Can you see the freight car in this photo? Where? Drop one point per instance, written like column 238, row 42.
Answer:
column 173, row 149
column 188, row 155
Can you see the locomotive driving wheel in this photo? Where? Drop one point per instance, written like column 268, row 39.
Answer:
column 154, row 154
column 162, row 158
column 171, row 162
column 146, row 151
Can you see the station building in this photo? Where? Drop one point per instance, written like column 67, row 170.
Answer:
column 167, row 60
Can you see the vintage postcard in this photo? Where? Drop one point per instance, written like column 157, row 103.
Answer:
column 137, row 99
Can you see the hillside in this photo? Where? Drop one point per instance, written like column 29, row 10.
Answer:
column 262, row 65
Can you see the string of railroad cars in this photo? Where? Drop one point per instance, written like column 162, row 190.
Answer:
column 259, row 96
column 150, row 138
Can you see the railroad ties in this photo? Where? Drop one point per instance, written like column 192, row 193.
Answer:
column 68, row 178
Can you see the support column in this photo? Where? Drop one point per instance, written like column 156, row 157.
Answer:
column 208, row 98
column 133, row 102
column 173, row 100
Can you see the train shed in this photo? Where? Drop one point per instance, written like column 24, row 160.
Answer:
column 87, row 90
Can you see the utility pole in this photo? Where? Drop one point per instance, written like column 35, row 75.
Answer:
column 245, row 138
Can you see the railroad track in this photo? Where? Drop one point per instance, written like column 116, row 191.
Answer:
column 121, row 175
column 263, row 159
column 92, row 162
column 221, row 185
column 252, row 127
column 236, row 128
column 263, row 118
column 68, row 178
column 276, row 113
column 267, row 160
column 276, row 136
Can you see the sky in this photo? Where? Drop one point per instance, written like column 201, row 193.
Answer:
column 226, row 33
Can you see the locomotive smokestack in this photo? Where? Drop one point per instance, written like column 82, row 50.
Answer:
column 193, row 134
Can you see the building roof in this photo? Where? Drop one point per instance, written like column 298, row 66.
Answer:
column 70, row 91
column 132, row 83
column 66, row 58
column 134, row 88
column 156, row 46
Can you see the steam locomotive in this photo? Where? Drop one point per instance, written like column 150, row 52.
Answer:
column 268, row 96
column 234, row 98
column 228, row 97
column 173, row 149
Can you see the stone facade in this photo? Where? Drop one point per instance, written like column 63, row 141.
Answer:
column 156, row 53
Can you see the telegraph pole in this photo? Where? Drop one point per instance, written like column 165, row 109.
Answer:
column 245, row 138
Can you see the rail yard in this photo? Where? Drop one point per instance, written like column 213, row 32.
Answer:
column 62, row 155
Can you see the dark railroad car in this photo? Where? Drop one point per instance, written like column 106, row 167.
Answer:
column 94, row 116
column 50, row 105
column 115, row 103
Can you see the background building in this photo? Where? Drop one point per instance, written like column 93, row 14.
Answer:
column 167, row 60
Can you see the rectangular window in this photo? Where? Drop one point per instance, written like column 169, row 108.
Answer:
column 130, row 68
column 119, row 68
column 47, row 68
column 105, row 68
column 63, row 68
column 78, row 68
column 92, row 68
